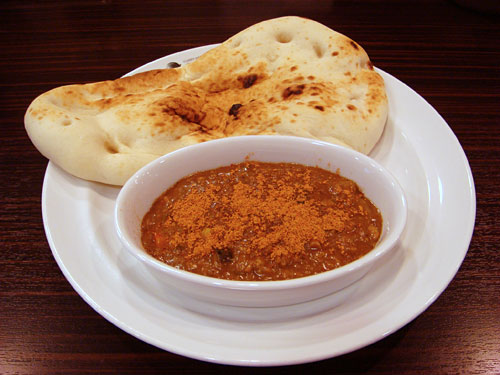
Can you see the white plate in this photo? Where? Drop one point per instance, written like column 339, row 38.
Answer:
column 417, row 147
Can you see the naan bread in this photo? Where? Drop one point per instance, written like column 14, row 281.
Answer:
column 288, row 76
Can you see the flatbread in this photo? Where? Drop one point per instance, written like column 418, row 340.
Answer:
column 287, row 76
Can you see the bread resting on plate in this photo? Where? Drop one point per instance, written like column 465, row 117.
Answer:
column 286, row 76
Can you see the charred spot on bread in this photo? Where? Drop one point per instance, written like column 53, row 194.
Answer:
column 185, row 113
column 233, row 111
column 293, row 90
column 248, row 80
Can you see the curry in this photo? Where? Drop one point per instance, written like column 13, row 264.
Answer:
column 257, row 221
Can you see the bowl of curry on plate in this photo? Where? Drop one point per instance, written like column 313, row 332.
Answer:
column 260, row 221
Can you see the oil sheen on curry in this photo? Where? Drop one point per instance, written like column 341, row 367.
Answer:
column 257, row 221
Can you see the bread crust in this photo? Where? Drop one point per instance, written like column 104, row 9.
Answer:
column 287, row 76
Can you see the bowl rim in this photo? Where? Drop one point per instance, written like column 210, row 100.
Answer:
column 378, row 251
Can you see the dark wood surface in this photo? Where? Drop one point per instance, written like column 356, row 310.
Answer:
column 448, row 53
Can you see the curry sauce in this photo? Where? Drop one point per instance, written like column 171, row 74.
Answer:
column 257, row 221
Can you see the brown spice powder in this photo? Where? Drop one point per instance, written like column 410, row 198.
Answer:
column 275, row 217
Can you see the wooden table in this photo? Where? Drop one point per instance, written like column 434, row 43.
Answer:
column 446, row 52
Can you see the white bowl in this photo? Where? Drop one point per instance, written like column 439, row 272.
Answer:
column 138, row 194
